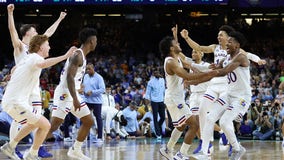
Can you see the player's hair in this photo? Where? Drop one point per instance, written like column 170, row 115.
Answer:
column 165, row 45
column 239, row 37
column 86, row 33
column 25, row 28
column 36, row 42
column 226, row 28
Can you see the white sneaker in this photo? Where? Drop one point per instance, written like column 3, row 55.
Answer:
column 159, row 137
column 236, row 155
column 29, row 156
column 200, row 155
column 164, row 151
column 9, row 151
column 67, row 139
column 180, row 156
column 77, row 154
column 98, row 140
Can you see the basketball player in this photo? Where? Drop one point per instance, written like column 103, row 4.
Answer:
column 15, row 101
column 236, row 99
column 67, row 97
column 21, row 47
column 197, row 92
column 174, row 96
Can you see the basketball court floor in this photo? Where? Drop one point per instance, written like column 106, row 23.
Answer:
column 148, row 149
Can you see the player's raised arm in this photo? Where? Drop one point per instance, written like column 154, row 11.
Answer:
column 12, row 29
column 49, row 32
column 196, row 46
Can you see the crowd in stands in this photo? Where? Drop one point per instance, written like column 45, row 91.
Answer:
column 126, row 60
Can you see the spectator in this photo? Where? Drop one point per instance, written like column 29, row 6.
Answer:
column 45, row 98
column 130, row 114
column 264, row 129
column 108, row 99
column 127, row 98
column 94, row 87
column 113, row 113
column 155, row 92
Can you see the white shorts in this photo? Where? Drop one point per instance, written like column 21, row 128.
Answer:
column 63, row 104
column 194, row 102
column 214, row 91
column 22, row 113
column 35, row 101
column 237, row 106
column 179, row 112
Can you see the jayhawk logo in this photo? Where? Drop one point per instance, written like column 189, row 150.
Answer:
column 242, row 102
column 62, row 97
column 180, row 106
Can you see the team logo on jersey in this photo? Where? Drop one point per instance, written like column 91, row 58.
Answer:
column 62, row 97
column 243, row 102
column 180, row 106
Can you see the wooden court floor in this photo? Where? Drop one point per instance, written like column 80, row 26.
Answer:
column 148, row 149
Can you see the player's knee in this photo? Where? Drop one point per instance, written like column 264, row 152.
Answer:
column 87, row 121
column 210, row 120
column 224, row 122
column 193, row 123
column 44, row 124
column 48, row 126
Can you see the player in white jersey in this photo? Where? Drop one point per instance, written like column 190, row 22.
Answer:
column 196, row 97
column 174, row 97
column 19, row 89
column 235, row 101
column 21, row 47
column 67, row 97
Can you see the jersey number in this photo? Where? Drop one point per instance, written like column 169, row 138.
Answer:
column 232, row 77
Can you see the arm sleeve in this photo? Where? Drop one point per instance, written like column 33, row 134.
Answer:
column 101, row 89
column 188, row 59
column 252, row 57
column 201, row 67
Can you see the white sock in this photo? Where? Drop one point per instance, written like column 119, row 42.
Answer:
column 14, row 129
column 77, row 145
column 236, row 146
column 33, row 152
column 13, row 143
column 184, row 148
column 174, row 138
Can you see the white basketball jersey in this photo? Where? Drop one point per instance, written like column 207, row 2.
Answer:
column 18, row 58
column 25, row 51
column 239, row 81
column 23, row 80
column 79, row 75
column 174, row 84
column 219, row 55
column 201, row 87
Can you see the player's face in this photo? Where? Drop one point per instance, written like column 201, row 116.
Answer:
column 93, row 42
column 196, row 55
column 232, row 45
column 222, row 37
column 176, row 47
column 32, row 32
column 45, row 49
